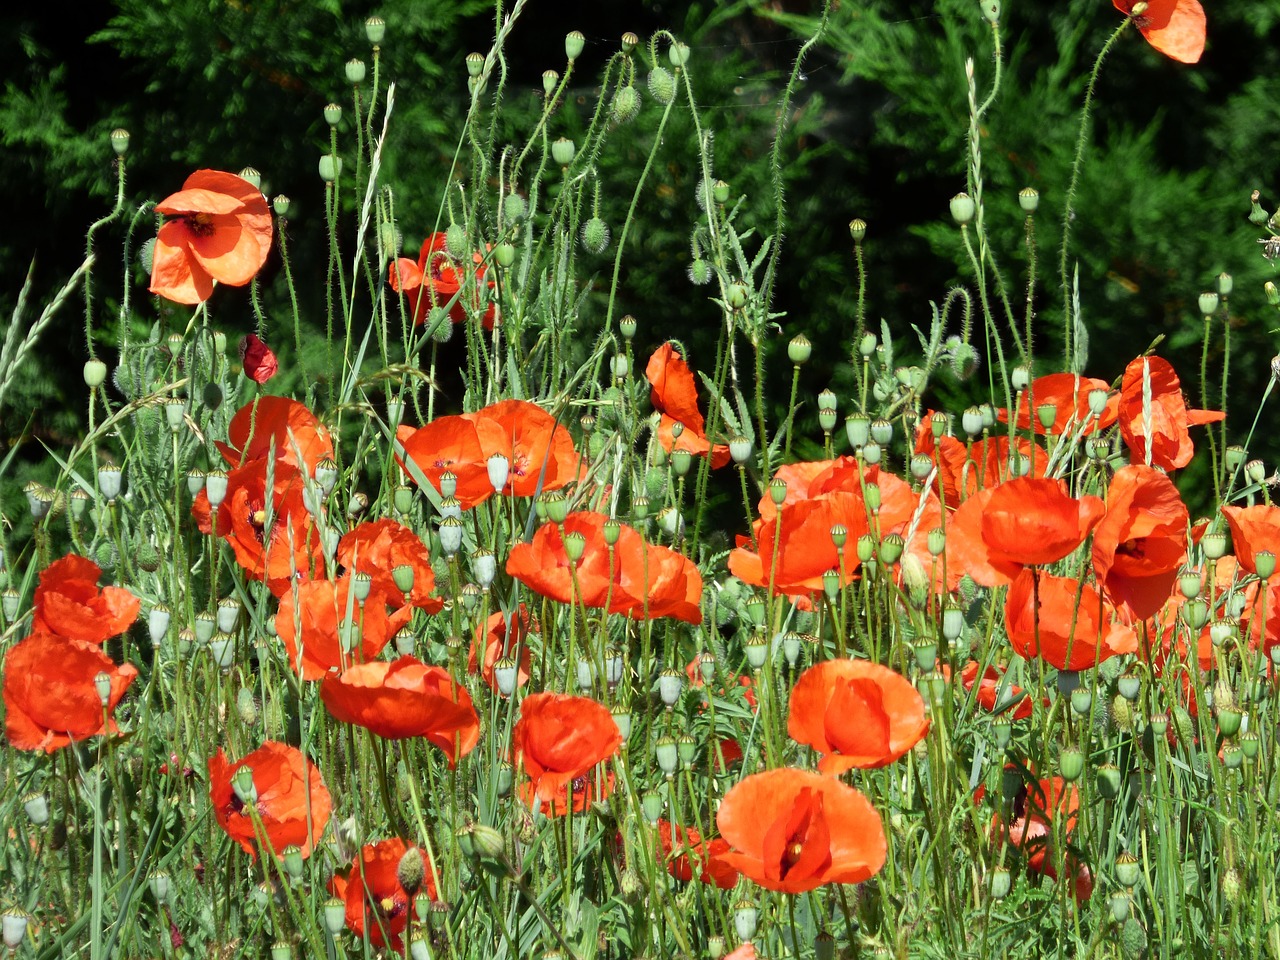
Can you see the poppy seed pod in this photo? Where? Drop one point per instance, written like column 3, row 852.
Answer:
column 799, row 350
column 475, row 64
column 13, row 927
column 1225, row 285
column 1208, row 302
column 563, row 151
column 354, row 71
column 962, row 208
column 109, row 477
column 335, row 915
column 871, row 453
column 120, row 141
column 36, row 807
column 740, row 449
column 999, row 883
column 375, row 30
column 450, row 535
column 857, row 229
column 1070, row 764
column 670, row 684
column 280, row 204
column 329, row 167
column 499, row 467
column 1109, row 781
column 333, row 114
column 1028, row 200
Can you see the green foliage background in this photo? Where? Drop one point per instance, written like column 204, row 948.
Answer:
column 878, row 132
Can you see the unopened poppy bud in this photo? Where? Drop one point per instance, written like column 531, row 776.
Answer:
column 329, row 167
column 354, row 71
column 1208, row 302
column 678, row 54
column 962, row 208
column 450, row 535
column 13, row 927
column 563, row 151
column 857, row 229
column 740, row 449
column 745, row 918
column 411, row 871
column 1070, row 764
column 799, row 349
column 243, row 785
column 95, row 373
column 120, row 141
column 375, row 30
column 335, row 915
column 1128, row 870
column 1109, row 781
column 735, row 296
column 681, row 461
column 1081, row 700
column 332, row 114
column 36, row 807
column 1214, row 545
column 1028, row 199
column 858, row 428
column 662, row 85
column 1225, row 285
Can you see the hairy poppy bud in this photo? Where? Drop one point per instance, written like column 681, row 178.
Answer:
column 662, row 85
column 625, row 105
column 595, row 235
column 678, row 54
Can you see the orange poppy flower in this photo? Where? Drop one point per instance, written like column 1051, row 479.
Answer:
column 221, row 231
column 405, row 699
column 69, row 602
column 50, row 697
column 450, row 444
column 308, row 621
column 497, row 642
column 1035, row 809
column 637, row 578
column 377, row 547
column 559, row 739
column 857, row 713
column 746, row 951
column 528, row 437
column 1253, row 529
column 291, row 546
column 1170, row 440
column 963, row 469
column 434, row 279
column 275, row 423
column 674, row 394
column 792, row 831
column 1069, row 394
column 989, row 694
column 586, row 791
column 1174, row 27
column 1141, row 542
column 1032, row 521
column 377, row 903
column 1064, row 604
column 967, row 552
column 292, row 802
column 683, row 848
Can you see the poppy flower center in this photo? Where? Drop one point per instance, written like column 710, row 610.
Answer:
column 259, row 518
column 792, row 854
column 201, row 224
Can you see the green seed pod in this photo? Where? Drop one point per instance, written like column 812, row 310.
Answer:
column 455, row 241
column 354, row 71
column 95, row 372
column 562, row 151
column 625, row 105
column 375, row 29
column 120, row 141
column 1028, row 200
column 595, row 235
column 857, row 229
column 963, row 208
column 573, row 45
column 662, row 85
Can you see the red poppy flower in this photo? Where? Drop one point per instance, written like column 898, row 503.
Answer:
column 694, row 672
column 290, row 547
column 967, row 552
column 1174, row 27
column 1069, row 395
column 674, row 394
column 560, row 739
column 405, row 699
column 990, row 695
column 1253, row 529
column 964, row 469
column 259, row 361
column 1035, row 809
column 746, row 951
column 377, row 903
column 1141, row 542
column 315, row 613
column 1171, row 445
column 377, row 548
column 435, row 279
column 221, row 231
column 586, row 791
column 275, row 423
column 497, row 642
column 450, row 444
column 1036, row 521
column 857, row 713
column 1075, row 628
column 50, row 695
column 637, row 578
column 528, row 437
column 683, row 848
column 292, row 802
column 792, row 831
column 69, row 602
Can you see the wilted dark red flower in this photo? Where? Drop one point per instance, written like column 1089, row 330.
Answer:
column 560, row 738
column 637, row 578
column 498, row 642
column 1174, row 27
column 405, row 699
column 377, row 904
column 50, row 695
column 69, row 602
column 314, row 615
column 435, row 279
column 286, row 426
column 1141, row 542
column 856, row 713
column 1032, row 520
column 674, row 394
column 683, row 849
column 1170, row 440
column 221, row 230
column 290, row 546
column 539, row 451
column 292, row 802
column 377, row 548
column 792, row 830
column 258, row 359
column 994, row 690
column 1036, row 807
column 1074, row 629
